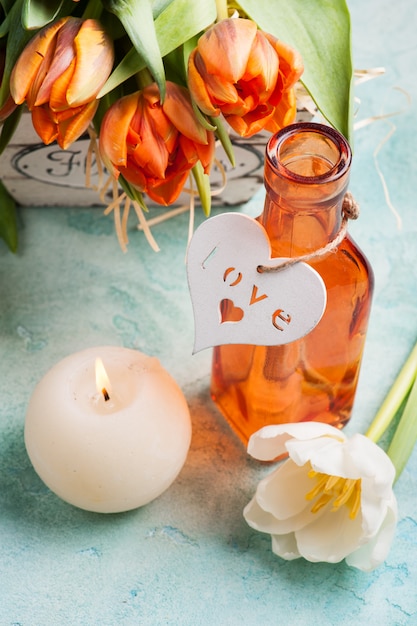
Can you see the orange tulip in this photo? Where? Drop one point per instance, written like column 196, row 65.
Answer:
column 154, row 145
column 59, row 75
column 246, row 75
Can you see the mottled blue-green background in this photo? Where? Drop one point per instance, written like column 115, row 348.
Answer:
column 188, row 558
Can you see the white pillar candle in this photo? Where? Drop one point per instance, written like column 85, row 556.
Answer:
column 115, row 448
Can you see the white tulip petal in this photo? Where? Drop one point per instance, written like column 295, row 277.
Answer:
column 283, row 492
column 285, row 546
column 330, row 538
column 286, row 500
column 374, row 509
column 325, row 454
column 269, row 442
column 372, row 462
column 259, row 519
column 374, row 552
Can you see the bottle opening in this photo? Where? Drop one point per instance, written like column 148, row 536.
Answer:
column 309, row 151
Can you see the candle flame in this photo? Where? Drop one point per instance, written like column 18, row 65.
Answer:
column 102, row 380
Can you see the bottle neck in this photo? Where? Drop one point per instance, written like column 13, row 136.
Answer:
column 306, row 177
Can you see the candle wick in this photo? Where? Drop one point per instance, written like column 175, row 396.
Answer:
column 105, row 394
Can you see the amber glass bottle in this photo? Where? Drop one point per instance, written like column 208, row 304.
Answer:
column 314, row 378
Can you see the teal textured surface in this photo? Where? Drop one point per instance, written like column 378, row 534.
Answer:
column 188, row 558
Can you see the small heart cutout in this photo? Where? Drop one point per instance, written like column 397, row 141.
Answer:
column 229, row 312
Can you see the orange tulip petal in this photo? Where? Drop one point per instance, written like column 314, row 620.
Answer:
column 290, row 61
column 241, row 107
column 57, row 96
column 9, row 105
column 7, row 109
column 221, row 91
column 44, row 124
column 187, row 156
column 63, row 57
column 66, row 114
column 151, row 153
column 70, row 130
column 206, row 153
column 178, row 108
column 134, row 175
column 160, row 122
column 115, row 127
column 32, row 93
column 95, row 56
column 133, row 134
column 227, row 45
column 189, row 153
column 252, row 123
column 167, row 191
column 28, row 64
column 198, row 87
column 285, row 112
column 262, row 67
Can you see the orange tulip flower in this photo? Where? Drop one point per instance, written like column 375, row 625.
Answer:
column 59, row 75
column 246, row 75
column 154, row 145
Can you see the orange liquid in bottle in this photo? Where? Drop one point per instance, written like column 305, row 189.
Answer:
column 315, row 377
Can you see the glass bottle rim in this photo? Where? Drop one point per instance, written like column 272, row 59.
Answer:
column 339, row 168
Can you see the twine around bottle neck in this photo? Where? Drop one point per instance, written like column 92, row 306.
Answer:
column 350, row 211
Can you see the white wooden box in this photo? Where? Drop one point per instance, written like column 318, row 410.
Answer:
column 39, row 175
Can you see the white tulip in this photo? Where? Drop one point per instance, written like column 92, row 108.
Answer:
column 332, row 499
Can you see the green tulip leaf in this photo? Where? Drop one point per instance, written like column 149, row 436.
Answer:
column 137, row 19
column 15, row 46
column 8, row 222
column 320, row 31
column 131, row 64
column 158, row 6
column 394, row 398
column 179, row 22
column 5, row 24
column 405, row 436
column 224, row 138
column 38, row 13
column 8, row 128
column 203, row 186
column 6, row 5
column 133, row 193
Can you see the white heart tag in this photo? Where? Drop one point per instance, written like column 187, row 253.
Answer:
column 235, row 303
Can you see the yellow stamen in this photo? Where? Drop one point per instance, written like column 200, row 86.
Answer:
column 321, row 483
column 346, row 492
column 356, row 500
column 321, row 502
column 337, row 490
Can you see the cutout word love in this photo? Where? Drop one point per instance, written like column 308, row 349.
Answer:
column 235, row 303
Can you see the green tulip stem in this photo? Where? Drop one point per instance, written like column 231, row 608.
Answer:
column 222, row 10
column 405, row 436
column 143, row 78
column 93, row 10
column 203, row 185
column 394, row 398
